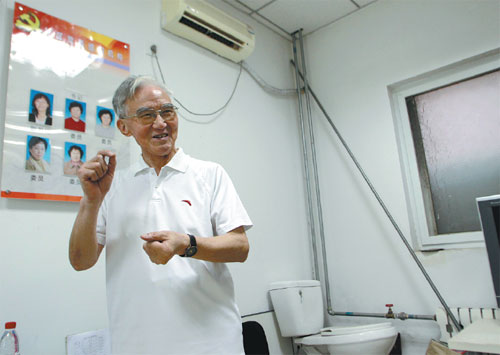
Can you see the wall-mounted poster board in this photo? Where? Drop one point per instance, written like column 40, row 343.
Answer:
column 58, row 110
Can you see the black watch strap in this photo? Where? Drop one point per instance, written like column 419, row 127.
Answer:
column 192, row 248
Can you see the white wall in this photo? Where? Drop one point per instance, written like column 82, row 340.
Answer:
column 256, row 139
column 351, row 63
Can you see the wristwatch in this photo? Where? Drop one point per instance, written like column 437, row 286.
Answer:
column 192, row 248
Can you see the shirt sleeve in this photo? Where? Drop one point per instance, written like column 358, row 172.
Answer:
column 101, row 222
column 227, row 210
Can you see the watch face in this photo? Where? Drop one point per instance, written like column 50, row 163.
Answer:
column 191, row 251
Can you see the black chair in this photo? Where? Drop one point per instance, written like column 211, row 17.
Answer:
column 254, row 339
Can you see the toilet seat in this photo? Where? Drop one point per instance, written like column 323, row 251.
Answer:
column 343, row 335
column 354, row 329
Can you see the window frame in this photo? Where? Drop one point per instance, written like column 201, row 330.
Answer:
column 398, row 92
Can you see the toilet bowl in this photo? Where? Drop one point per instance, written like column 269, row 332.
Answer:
column 367, row 339
column 298, row 306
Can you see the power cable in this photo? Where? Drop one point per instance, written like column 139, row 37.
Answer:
column 153, row 51
column 220, row 109
column 269, row 88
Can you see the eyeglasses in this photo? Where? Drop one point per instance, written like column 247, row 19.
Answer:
column 147, row 116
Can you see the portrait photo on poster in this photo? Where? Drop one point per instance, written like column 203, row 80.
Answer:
column 74, row 157
column 40, row 109
column 105, row 122
column 37, row 154
column 75, row 112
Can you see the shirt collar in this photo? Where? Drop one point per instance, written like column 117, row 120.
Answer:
column 179, row 162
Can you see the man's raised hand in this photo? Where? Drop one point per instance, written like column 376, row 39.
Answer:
column 96, row 175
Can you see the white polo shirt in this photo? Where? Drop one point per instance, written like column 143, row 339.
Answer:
column 186, row 306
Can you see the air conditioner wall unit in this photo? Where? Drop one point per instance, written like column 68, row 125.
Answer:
column 209, row 27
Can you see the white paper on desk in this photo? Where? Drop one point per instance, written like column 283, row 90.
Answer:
column 96, row 342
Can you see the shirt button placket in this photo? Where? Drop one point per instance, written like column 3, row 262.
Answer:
column 155, row 182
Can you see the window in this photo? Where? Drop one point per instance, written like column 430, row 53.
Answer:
column 448, row 126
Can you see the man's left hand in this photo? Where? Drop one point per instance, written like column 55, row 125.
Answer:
column 162, row 246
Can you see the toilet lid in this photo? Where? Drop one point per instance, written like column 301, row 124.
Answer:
column 354, row 329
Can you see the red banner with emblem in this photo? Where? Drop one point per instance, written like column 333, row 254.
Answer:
column 28, row 21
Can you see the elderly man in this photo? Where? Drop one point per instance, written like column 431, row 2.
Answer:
column 169, row 223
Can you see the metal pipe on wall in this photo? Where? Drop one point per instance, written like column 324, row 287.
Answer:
column 307, row 90
column 315, row 169
column 401, row 315
column 306, row 170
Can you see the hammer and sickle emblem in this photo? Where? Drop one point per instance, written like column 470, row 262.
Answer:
column 28, row 22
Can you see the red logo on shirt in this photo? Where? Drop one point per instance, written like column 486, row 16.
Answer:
column 187, row 201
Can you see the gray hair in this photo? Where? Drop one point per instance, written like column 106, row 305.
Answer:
column 128, row 88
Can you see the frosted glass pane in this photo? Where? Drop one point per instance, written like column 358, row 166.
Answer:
column 460, row 130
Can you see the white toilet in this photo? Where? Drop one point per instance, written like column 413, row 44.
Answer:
column 298, row 306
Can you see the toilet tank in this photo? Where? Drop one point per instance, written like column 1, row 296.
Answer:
column 298, row 306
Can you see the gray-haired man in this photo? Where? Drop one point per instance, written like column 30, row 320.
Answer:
column 170, row 223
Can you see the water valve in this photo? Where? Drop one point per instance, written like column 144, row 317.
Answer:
column 390, row 313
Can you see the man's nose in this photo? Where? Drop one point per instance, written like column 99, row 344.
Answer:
column 159, row 120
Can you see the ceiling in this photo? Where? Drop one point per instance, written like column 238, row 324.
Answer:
column 287, row 16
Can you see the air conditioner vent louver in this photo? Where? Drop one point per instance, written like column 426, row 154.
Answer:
column 209, row 27
column 209, row 32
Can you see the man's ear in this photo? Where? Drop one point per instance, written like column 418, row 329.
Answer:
column 122, row 126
